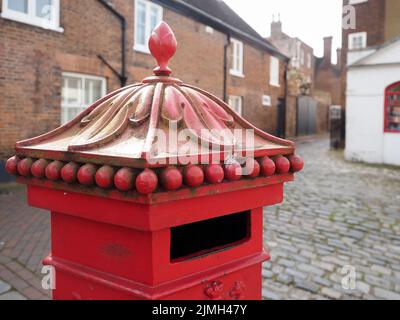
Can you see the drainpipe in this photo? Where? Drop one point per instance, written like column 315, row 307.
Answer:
column 286, row 99
column 226, row 49
column 121, row 75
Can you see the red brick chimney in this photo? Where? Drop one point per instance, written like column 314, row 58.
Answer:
column 328, row 50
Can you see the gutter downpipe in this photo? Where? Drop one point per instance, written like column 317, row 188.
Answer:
column 122, row 76
column 226, row 48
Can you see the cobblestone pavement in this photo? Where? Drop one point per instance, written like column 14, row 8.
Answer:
column 335, row 217
column 336, row 214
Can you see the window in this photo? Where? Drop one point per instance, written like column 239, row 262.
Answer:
column 266, row 101
column 209, row 30
column 357, row 1
column 147, row 16
column 392, row 108
column 41, row 13
column 274, row 72
column 357, row 40
column 235, row 102
column 309, row 62
column 302, row 57
column 237, row 58
column 78, row 92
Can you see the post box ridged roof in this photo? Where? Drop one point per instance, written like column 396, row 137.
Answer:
column 122, row 128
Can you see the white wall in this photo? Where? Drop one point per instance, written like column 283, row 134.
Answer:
column 365, row 137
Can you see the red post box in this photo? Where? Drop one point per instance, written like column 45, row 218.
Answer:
column 136, row 212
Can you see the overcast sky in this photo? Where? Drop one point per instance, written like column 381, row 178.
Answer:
column 309, row 20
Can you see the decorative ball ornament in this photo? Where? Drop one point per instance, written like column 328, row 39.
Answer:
column 252, row 168
column 53, row 170
column 69, row 173
column 193, row 176
column 39, row 167
column 214, row 173
column 146, row 182
column 282, row 165
column 296, row 163
column 267, row 167
column 24, row 167
column 171, row 178
column 124, row 179
column 105, row 177
column 12, row 165
column 86, row 174
column 233, row 171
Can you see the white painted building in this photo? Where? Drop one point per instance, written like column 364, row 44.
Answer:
column 373, row 104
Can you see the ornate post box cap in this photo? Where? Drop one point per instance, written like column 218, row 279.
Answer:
column 160, row 135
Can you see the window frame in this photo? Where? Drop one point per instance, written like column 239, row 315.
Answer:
column 231, row 105
column 352, row 2
column 353, row 35
column 388, row 92
column 31, row 18
column 272, row 76
column 140, row 47
column 82, row 77
column 237, row 48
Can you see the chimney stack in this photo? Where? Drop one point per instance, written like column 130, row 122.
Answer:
column 339, row 57
column 328, row 49
column 276, row 26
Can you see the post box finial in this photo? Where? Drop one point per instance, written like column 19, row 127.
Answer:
column 162, row 45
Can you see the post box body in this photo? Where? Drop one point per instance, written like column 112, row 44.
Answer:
column 125, row 224
column 111, row 248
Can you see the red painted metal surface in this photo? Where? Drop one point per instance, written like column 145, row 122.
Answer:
column 392, row 100
column 130, row 219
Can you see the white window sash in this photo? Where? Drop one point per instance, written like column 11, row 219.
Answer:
column 31, row 17
column 357, row 40
column 81, row 103
column 274, row 71
column 143, row 47
column 237, row 58
column 236, row 103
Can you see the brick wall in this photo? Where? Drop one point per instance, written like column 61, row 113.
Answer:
column 32, row 60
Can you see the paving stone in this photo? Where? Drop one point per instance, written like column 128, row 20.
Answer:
column 285, row 278
column 381, row 270
column 330, row 293
column 323, row 265
column 363, row 287
column 4, row 287
column 267, row 274
column 322, row 281
column 295, row 273
column 377, row 281
column 12, row 295
column 311, row 269
column 386, row 294
column 287, row 263
column 306, row 285
column 268, row 295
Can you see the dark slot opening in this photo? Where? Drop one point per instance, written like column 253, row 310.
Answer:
column 205, row 237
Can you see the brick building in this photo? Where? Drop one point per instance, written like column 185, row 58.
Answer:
column 377, row 22
column 56, row 60
column 301, row 67
column 307, row 104
column 328, row 75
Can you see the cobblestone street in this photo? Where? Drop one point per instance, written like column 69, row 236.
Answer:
column 337, row 214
